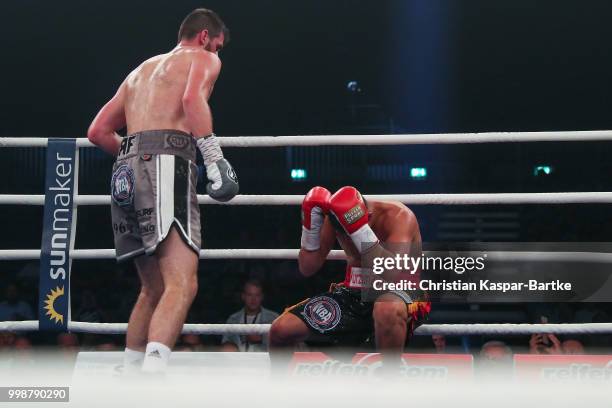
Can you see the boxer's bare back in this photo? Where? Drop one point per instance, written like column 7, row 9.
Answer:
column 154, row 91
column 168, row 91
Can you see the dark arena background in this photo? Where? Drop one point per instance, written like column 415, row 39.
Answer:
column 335, row 67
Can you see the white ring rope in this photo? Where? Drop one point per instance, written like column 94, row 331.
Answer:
column 513, row 329
column 368, row 140
column 425, row 330
column 326, row 140
column 336, row 255
column 413, row 199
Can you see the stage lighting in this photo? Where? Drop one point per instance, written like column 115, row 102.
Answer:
column 418, row 173
column 542, row 170
column 298, row 174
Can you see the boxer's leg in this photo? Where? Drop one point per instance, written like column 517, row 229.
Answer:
column 390, row 315
column 178, row 265
column 390, row 322
column 151, row 290
column 286, row 331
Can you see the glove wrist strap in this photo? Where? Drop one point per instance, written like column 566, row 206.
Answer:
column 364, row 238
column 210, row 149
column 311, row 240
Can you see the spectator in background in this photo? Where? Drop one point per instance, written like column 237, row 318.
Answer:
column 68, row 343
column 22, row 358
column 495, row 360
column 572, row 346
column 13, row 308
column 97, row 342
column 22, row 344
column 550, row 344
column 107, row 346
column 252, row 313
column 544, row 344
column 189, row 342
column 439, row 342
column 7, row 340
column 23, row 349
column 495, row 350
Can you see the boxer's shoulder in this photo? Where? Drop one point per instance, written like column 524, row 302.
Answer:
column 149, row 62
column 395, row 217
column 196, row 53
column 394, row 210
column 144, row 69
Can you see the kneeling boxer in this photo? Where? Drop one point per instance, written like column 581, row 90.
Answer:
column 342, row 315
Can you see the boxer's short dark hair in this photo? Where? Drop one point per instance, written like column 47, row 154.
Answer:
column 203, row 19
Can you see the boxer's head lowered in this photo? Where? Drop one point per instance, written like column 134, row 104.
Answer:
column 206, row 29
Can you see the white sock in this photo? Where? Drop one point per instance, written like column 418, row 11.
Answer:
column 132, row 361
column 156, row 358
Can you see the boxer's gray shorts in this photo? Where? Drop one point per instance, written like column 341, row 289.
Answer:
column 153, row 187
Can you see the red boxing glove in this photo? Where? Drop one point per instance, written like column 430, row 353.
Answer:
column 349, row 209
column 314, row 208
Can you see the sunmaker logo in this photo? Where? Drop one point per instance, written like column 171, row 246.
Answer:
column 56, row 237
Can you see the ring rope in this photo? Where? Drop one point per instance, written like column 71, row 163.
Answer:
column 425, row 330
column 368, row 140
column 413, row 199
column 271, row 141
column 334, row 255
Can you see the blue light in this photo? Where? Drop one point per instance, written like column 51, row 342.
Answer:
column 353, row 87
column 418, row 173
column 298, row 174
column 542, row 170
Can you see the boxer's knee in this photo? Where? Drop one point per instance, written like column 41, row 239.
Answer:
column 278, row 334
column 283, row 332
column 389, row 314
column 152, row 284
column 189, row 287
column 184, row 288
column 150, row 294
column 192, row 287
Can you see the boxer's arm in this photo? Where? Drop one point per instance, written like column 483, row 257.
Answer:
column 310, row 262
column 203, row 73
column 102, row 131
column 403, row 228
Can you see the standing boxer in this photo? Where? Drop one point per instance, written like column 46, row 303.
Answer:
column 164, row 105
